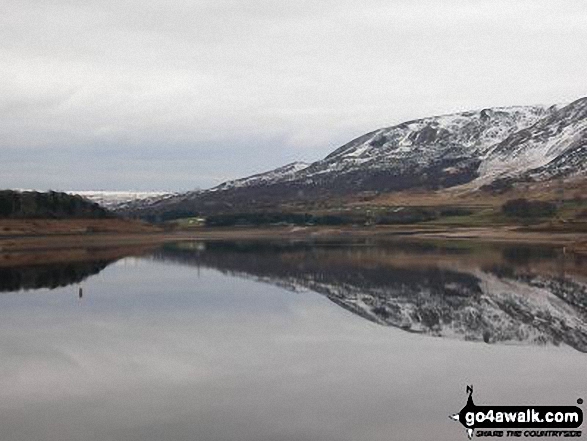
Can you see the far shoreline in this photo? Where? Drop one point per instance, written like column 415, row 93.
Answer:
column 131, row 233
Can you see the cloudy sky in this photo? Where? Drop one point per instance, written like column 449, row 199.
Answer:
column 153, row 94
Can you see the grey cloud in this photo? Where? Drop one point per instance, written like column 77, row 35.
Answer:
column 308, row 75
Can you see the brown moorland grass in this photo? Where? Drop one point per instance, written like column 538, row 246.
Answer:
column 44, row 227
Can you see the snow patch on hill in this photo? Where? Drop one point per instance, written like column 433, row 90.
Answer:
column 118, row 199
column 281, row 174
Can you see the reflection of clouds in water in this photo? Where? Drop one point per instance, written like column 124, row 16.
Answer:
column 129, row 262
column 155, row 341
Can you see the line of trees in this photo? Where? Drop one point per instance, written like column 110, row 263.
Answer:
column 52, row 204
column 523, row 208
column 408, row 215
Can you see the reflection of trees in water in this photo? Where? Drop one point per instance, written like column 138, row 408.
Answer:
column 496, row 303
column 523, row 255
column 336, row 263
column 50, row 276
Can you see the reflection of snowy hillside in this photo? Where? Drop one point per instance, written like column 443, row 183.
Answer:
column 492, row 304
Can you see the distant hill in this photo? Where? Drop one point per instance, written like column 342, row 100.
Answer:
column 486, row 150
column 52, row 205
column 117, row 200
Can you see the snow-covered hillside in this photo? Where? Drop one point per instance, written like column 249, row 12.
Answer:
column 554, row 146
column 119, row 199
column 281, row 174
column 477, row 148
column 449, row 145
column 425, row 140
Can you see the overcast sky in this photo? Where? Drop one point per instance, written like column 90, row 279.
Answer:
column 173, row 95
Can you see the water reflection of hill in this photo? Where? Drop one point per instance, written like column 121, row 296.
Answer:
column 58, row 268
column 492, row 294
column 47, row 276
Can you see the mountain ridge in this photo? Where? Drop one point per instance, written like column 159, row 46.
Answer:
column 472, row 149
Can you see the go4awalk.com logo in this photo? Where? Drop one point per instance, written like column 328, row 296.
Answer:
column 519, row 421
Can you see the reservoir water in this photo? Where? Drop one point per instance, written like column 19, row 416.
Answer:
column 284, row 341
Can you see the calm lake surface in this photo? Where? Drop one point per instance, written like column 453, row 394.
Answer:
column 284, row 341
